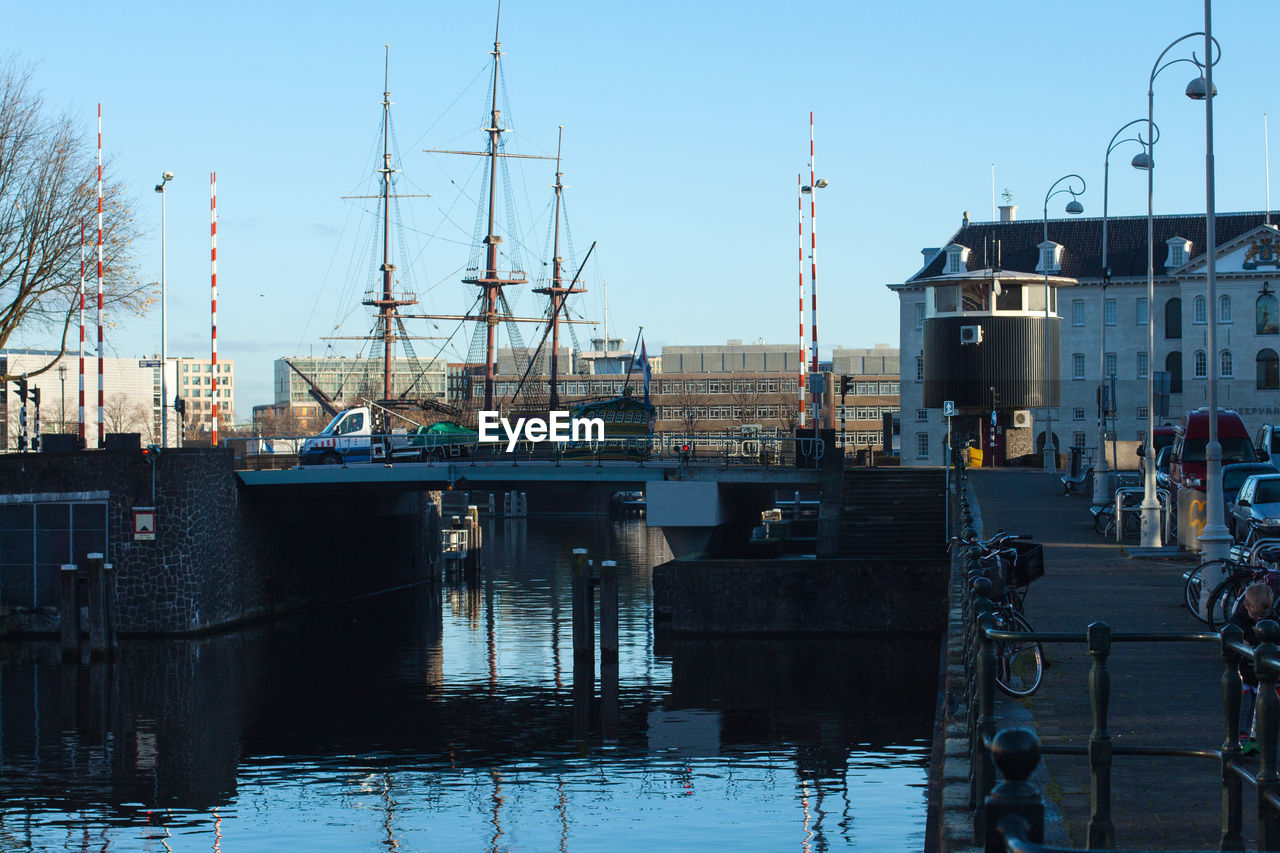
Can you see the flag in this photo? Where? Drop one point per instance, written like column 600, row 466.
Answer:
column 643, row 363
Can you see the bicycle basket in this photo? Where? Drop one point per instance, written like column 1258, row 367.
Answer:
column 1028, row 565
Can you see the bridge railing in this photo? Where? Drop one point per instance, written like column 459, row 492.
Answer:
column 1009, row 816
column 704, row 448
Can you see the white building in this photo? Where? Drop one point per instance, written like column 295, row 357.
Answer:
column 1247, row 360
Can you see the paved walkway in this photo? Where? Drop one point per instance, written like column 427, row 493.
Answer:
column 1163, row 694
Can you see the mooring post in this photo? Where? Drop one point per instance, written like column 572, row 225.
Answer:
column 584, row 675
column 609, row 698
column 68, row 611
column 608, row 610
column 1267, row 715
column 1232, row 784
column 1102, row 832
column 583, row 610
column 97, row 608
column 109, row 610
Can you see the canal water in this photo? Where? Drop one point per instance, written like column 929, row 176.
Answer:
column 455, row 719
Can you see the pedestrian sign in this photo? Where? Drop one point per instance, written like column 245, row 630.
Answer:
column 948, row 408
column 144, row 523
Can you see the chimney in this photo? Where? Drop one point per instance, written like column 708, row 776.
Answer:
column 1008, row 212
column 930, row 253
column 964, row 223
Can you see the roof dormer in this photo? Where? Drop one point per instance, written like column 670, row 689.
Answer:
column 1050, row 257
column 1179, row 253
column 955, row 259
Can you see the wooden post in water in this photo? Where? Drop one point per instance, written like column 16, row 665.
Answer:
column 97, row 608
column 68, row 611
column 608, row 610
column 583, row 609
column 109, row 609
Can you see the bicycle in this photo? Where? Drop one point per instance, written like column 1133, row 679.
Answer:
column 1242, row 561
column 1019, row 663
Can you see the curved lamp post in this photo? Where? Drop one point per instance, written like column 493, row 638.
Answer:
column 164, row 363
column 1073, row 207
column 1102, row 473
column 1150, row 509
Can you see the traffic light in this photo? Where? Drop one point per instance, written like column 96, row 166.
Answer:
column 180, row 405
column 22, row 390
column 150, row 453
column 844, row 385
column 35, row 397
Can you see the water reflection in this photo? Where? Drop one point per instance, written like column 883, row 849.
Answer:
column 456, row 716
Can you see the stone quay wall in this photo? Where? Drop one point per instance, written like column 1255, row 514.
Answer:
column 823, row 596
column 224, row 554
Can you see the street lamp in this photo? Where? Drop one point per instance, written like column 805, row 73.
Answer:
column 62, row 396
column 819, row 413
column 1102, row 474
column 1073, row 207
column 164, row 364
column 1150, row 509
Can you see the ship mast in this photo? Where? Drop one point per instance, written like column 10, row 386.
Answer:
column 556, row 291
column 387, row 302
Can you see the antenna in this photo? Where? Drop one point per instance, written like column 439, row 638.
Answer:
column 1266, row 152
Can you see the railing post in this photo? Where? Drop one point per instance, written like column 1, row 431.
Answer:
column 1232, row 785
column 1102, row 833
column 1268, row 720
column 984, row 768
column 1016, row 752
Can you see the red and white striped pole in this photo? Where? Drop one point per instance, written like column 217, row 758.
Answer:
column 813, row 253
column 82, row 332
column 800, row 256
column 213, row 275
column 102, row 434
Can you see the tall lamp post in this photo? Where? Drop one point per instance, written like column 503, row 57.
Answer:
column 1102, row 473
column 164, row 363
column 818, row 403
column 1073, row 207
column 62, row 397
column 1150, row 509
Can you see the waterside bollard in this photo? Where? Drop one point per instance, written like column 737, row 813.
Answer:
column 608, row 610
column 1102, row 832
column 1013, row 807
column 583, row 607
column 97, row 607
column 68, row 611
column 1232, row 784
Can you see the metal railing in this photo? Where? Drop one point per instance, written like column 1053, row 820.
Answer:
column 723, row 449
column 1009, row 815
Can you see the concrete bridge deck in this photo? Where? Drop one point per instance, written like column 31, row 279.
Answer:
column 1162, row 694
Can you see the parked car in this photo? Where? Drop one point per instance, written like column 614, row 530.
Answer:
column 1162, row 466
column 1164, row 437
column 1233, row 477
column 1187, row 462
column 1267, row 444
column 1257, row 508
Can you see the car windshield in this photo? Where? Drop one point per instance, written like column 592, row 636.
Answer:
column 1234, row 479
column 1233, row 450
column 1267, row 492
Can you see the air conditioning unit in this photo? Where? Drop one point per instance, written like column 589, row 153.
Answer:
column 970, row 334
column 1021, row 418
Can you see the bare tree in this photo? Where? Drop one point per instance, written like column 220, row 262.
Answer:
column 48, row 199
column 747, row 401
column 688, row 403
column 121, row 414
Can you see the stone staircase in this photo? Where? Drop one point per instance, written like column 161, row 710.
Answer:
column 893, row 515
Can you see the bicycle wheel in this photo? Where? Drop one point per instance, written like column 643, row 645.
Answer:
column 1019, row 663
column 1224, row 598
column 1192, row 587
column 1101, row 520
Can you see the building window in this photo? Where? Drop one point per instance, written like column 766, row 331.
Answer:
column 1202, row 365
column 953, row 262
column 1077, row 365
column 922, row 445
column 1142, row 311
column 1266, row 314
column 1109, row 312
column 922, row 415
column 1143, row 365
column 1142, row 413
column 1077, row 414
column 1175, row 256
column 1077, row 439
column 1268, row 370
column 1199, row 310
column 1077, row 312
column 919, row 315
column 1173, row 318
column 1224, row 308
column 1173, row 364
column 1225, row 370
column 919, row 368
column 1110, row 366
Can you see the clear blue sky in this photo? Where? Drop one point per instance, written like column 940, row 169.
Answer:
column 685, row 127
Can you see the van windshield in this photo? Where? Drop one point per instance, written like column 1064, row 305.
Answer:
column 1233, row 449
